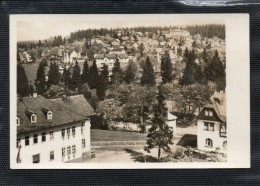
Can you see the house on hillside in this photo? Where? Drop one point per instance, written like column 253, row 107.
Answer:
column 212, row 126
column 53, row 131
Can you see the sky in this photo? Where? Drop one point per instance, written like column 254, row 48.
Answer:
column 39, row 27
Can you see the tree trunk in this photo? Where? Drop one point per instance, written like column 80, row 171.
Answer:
column 159, row 154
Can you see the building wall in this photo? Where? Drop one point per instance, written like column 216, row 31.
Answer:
column 202, row 135
column 172, row 124
column 56, row 144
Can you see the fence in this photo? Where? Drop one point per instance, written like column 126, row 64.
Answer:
column 117, row 143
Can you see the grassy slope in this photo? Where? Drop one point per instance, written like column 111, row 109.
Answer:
column 107, row 135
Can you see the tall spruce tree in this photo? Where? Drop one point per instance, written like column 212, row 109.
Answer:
column 148, row 76
column 130, row 73
column 105, row 75
column 40, row 81
column 166, row 69
column 85, row 72
column 22, row 82
column 93, row 75
column 66, row 76
column 159, row 136
column 54, row 75
column 117, row 74
column 219, row 71
column 76, row 77
column 101, row 87
column 189, row 71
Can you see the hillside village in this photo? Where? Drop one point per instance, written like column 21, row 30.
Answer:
column 117, row 88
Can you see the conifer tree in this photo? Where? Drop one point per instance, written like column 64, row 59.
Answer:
column 105, row 75
column 66, row 76
column 159, row 136
column 76, row 77
column 85, row 72
column 54, row 75
column 148, row 76
column 117, row 74
column 188, row 73
column 40, row 81
column 101, row 87
column 93, row 75
column 166, row 69
column 130, row 73
column 22, row 82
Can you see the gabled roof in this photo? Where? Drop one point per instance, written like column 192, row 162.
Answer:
column 122, row 56
column 110, row 56
column 218, row 105
column 99, row 56
column 62, row 114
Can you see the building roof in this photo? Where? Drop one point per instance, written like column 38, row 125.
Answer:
column 99, row 56
column 123, row 56
column 78, row 110
column 110, row 56
column 218, row 104
column 218, row 100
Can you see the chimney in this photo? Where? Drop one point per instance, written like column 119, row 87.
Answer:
column 34, row 95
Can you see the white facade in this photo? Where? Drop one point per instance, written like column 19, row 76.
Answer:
column 171, row 122
column 50, row 150
column 205, row 133
column 73, row 55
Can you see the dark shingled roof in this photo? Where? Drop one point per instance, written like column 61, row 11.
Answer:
column 78, row 110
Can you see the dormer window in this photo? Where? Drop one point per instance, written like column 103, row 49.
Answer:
column 32, row 116
column 49, row 115
column 18, row 121
column 47, row 112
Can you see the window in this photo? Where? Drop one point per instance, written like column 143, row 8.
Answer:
column 73, row 149
column 51, row 135
column 36, row 158
column 49, row 115
column 35, row 138
column 63, row 151
column 63, row 133
column 68, row 150
column 209, row 126
column 73, row 131
column 225, row 145
column 68, row 132
column 18, row 121
column 82, row 127
column 33, row 118
column 83, row 143
column 223, row 132
column 27, row 140
column 209, row 143
column 43, row 136
column 18, row 142
column 208, row 113
column 52, row 155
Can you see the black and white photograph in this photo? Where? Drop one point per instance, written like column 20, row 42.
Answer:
column 133, row 91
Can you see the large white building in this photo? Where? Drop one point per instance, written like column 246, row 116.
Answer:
column 110, row 59
column 212, row 126
column 53, row 131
